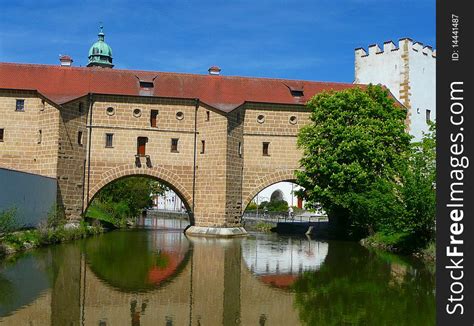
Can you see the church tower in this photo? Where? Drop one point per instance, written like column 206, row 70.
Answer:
column 100, row 53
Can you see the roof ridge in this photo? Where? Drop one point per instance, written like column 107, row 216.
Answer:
column 115, row 70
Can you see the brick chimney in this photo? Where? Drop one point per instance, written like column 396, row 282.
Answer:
column 214, row 70
column 65, row 60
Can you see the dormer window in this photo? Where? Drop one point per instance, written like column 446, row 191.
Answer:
column 146, row 84
column 297, row 93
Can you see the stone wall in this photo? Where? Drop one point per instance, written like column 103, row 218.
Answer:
column 283, row 157
column 30, row 136
column 211, row 167
column 110, row 163
column 216, row 183
column 235, row 161
column 72, row 157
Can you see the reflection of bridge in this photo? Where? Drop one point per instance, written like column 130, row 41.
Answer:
column 207, row 290
column 290, row 256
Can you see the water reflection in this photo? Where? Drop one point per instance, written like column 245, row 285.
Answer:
column 359, row 287
column 136, row 261
column 164, row 278
column 278, row 260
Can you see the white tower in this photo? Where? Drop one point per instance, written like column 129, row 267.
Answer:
column 409, row 71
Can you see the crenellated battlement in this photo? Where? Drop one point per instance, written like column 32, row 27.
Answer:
column 389, row 46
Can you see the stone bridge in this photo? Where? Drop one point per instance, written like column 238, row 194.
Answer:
column 215, row 140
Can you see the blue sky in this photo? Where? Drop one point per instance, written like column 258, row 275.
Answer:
column 311, row 40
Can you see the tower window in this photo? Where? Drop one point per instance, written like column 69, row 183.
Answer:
column 265, row 148
column 40, row 136
column 79, row 138
column 109, row 138
column 20, row 105
column 428, row 116
column 203, row 146
column 208, row 115
column 80, row 107
column 2, row 134
column 240, row 149
column 174, row 145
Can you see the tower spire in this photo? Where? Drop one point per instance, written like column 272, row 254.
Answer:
column 100, row 53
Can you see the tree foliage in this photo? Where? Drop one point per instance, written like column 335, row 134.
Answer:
column 359, row 164
column 353, row 152
column 127, row 197
column 274, row 205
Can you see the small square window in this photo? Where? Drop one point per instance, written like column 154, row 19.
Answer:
column 428, row 116
column 174, row 145
column 2, row 134
column 79, row 138
column 203, row 146
column 265, row 149
column 20, row 105
column 109, row 138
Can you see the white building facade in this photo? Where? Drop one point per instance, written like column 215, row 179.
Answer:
column 281, row 190
column 409, row 72
column 169, row 201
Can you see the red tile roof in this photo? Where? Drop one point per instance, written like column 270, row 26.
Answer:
column 63, row 84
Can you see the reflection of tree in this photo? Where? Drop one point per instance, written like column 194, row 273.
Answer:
column 125, row 261
column 7, row 291
column 363, row 292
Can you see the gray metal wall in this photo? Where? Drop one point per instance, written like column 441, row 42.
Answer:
column 33, row 195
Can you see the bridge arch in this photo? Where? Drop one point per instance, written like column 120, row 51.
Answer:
column 163, row 175
column 266, row 181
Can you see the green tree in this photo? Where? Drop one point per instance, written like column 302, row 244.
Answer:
column 274, row 205
column 353, row 152
column 418, row 192
column 127, row 197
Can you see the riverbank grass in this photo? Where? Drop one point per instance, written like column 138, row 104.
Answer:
column 13, row 242
column 401, row 243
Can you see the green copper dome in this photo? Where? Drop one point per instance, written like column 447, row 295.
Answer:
column 100, row 53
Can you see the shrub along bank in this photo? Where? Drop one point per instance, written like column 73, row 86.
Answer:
column 17, row 241
column 51, row 231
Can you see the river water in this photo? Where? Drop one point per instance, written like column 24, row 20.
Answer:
column 161, row 277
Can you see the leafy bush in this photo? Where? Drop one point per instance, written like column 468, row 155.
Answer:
column 8, row 220
column 55, row 216
column 252, row 206
column 274, row 206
